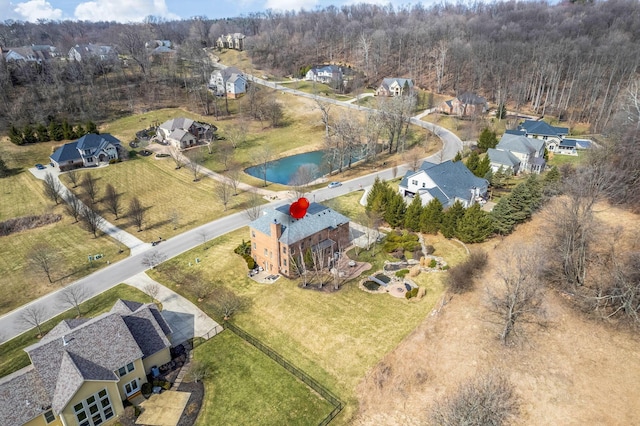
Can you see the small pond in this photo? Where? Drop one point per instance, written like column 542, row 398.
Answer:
column 371, row 286
column 283, row 170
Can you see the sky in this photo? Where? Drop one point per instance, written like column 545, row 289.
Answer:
column 137, row 10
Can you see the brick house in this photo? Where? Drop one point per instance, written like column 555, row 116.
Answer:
column 276, row 237
column 83, row 369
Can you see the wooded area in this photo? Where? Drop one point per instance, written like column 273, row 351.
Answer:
column 572, row 60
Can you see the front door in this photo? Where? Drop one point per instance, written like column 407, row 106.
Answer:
column 131, row 387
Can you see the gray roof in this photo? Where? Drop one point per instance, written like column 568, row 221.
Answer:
column 67, row 152
column 96, row 142
column 401, row 81
column 568, row 143
column 535, row 127
column 318, row 217
column 519, row 143
column 178, row 134
column 505, row 158
column 471, row 99
column 177, row 123
column 436, row 193
column 79, row 350
column 514, row 132
column 453, row 179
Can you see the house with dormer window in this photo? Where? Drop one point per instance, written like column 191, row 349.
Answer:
column 395, row 87
column 90, row 150
column 519, row 153
column 83, row 369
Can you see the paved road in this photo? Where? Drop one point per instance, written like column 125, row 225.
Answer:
column 11, row 324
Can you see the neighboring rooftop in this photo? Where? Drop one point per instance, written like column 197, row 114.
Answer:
column 542, row 128
column 519, row 143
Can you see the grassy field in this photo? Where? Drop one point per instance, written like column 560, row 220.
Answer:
column 335, row 337
column 12, row 355
column 164, row 192
column 245, row 386
column 349, row 205
column 558, row 159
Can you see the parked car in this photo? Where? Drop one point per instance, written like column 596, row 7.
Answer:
column 40, row 166
column 334, row 184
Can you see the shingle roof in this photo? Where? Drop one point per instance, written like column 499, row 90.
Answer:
column 22, row 396
column 542, row 128
column 519, row 143
column 453, row 179
column 178, row 134
column 568, row 143
column 517, row 132
column 401, row 82
column 471, row 99
column 177, row 123
column 505, row 158
column 318, row 217
column 147, row 332
column 67, row 152
column 96, row 142
column 126, row 307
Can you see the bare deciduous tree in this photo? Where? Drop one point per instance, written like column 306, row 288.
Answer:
column 518, row 295
column 236, row 134
column 224, row 153
column 264, row 156
column 72, row 296
column 254, row 206
column 301, row 179
column 73, row 206
column 196, row 159
column 91, row 219
column 112, row 200
column 488, row 399
column 152, row 289
column 73, row 177
column 90, row 186
column 137, row 213
column 222, row 191
column 174, row 218
column 226, row 302
column 153, row 258
column 34, row 316
column 52, row 188
column 44, row 257
column 324, row 108
column 234, row 177
column 176, row 156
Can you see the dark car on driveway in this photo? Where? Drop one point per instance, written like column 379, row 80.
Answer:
column 40, row 166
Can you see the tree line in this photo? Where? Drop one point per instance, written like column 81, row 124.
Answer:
column 53, row 131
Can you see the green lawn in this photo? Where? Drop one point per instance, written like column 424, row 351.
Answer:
column 244, row 386
column 559, row 159
column 12, row 355
column 164, row 191
column 349, row 205
column 334, row 337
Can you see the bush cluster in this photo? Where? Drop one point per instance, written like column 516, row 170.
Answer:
column 461, row 278
column 411, row 293
column 402, row 273
column 54, row 130
column 244, row 250
column 18, row 224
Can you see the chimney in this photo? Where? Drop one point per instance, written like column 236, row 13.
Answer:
column 276, row 229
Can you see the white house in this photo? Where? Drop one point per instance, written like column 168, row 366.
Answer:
column 395, row 87
column 538, row 129
column 184, row 132
column 229, row 81
column 82, row 52
column 528, row 151
column 89, row 150
column 324, row 74
column 448, row 182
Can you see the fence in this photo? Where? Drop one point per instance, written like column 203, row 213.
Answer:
column 308, row 380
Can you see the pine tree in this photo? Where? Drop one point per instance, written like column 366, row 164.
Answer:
column 501, row 113
column 487, row 139
column 498, row 178
column 67, row 130
column 473, row 161
column 55, row 131
column 551, row 182
column 15, row 135
column 521, row 202
column 503, row 217
column 450, row 219
column 28, row 134
column 475, row 226
column 378, row 196
column 535, row 191
column 80, row 131
column 394, row 213
column 91, row 127
column 483, row 167
column 42, row 133
column 4, row 170
column 413, row 213
column 458, row 156
column 431, row 217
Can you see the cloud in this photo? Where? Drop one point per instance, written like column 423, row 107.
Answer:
column 122, row 10
column 290, row 4
column 37, row 9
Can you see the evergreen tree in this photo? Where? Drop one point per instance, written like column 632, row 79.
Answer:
column 28, row 134
column 501, row 113
column 551, row 182
column 484, row 166
column 377, row 198
column 498, row 178
column 42, row 133
column 91, row 127
column 489, row 176
column 487, row 139
column 55, row 131
column 458, row 156
column 394, row 213
column 450, row 220
column 431, row 217
column 4, row 170
column 413, row 213
column 80, row 131
column 521, row 202
column 503, row 217
column 473, row 161
column 67, row 130
column 15, row 135
column 535, row 191
column 475, row 226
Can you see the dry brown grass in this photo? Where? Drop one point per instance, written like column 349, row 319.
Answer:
column 576, row 371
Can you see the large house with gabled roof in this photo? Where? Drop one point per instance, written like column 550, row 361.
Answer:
column 449, row 182
column 184, row 132
column 83, row 369
column 518, row 153
column 90, row 150
column 277, row 237
column 538, row 129
column 465, row 105
column 395, row 87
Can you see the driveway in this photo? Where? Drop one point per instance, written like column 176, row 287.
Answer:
column 185, row 319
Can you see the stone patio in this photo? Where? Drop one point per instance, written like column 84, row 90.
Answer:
column 163, row 409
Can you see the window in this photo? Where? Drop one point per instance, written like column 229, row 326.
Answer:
column 284, row 250
column 414, row 182
column 126, row 369
column 254, row 246
column 49, row 417
column 285, row 262
column 253, row 234
column 94, row 410
column 266, row 252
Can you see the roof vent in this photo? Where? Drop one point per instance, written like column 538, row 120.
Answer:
column 64, row 341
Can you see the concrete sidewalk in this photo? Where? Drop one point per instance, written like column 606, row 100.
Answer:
column 185, row 319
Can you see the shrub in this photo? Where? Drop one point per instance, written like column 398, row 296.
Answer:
column 146, row 388
column 398, row 253
column 114, row 161
column 433, row 263
column 445, row 268
column 251, row 264
column 133, row 154
column 370, row 285
column 461, row 277
column 162, row 155
column 408, row 295
column 401, row 273
column 414, row 292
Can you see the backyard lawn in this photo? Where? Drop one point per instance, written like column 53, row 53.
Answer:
column 244, row 386
column 12, row 355
column 558, row 160
column 335, row 337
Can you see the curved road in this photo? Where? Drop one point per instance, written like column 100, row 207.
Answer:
column 11, row 324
